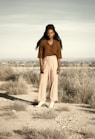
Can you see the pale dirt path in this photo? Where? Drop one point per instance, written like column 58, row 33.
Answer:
column 72, row 119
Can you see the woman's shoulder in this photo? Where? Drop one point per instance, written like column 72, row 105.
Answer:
column 43, row 41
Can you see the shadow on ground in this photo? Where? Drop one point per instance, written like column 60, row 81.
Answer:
column 6, row 96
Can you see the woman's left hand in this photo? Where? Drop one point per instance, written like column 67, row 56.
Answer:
column 58, row 70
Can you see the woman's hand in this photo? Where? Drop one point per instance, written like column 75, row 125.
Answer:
column 41, row 69
column 41, row 65
column 58, row 70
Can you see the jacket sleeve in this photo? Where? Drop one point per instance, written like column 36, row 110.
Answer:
column 59, row 53
column 40, row 51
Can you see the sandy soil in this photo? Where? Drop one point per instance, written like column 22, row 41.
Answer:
column 77, row 121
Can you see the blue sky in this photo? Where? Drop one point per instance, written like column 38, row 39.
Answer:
column 22, row 23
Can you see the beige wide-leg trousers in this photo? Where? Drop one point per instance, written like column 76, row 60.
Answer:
column 49, row 77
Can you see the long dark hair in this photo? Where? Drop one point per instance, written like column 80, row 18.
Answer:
column 56, row 36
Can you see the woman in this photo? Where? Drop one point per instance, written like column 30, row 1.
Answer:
column 49, row 55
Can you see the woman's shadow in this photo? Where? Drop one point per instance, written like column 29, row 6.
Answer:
column 6, row 96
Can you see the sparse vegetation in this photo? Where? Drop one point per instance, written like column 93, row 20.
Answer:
column 87, row 134
column 4, row 135
column 45, row 114
column 77, row 85
column 31, row 77
column 15, row 87
column 16, row 106
column 30, row 133
column 7, row 73
column 92, row 100
column 8, row 114
column 19, row 106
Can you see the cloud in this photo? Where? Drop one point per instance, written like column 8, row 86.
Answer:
column 42, row 10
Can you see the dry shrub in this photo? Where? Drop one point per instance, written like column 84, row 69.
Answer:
column 7, row 115
column 9, row 112
column 17, row 105
column 31, row 77
column 87, row 134
column 5, row 135
column 92, row 100
column 30, row 133
column 44, row 114
column 15, row 87
column 7, row 73
column 77, row 85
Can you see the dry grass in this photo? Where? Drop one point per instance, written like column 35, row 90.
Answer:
column 31, row 77
column 87, row 134
column 19, row 106
column 7, row 73
column 92, row 100
column 5, row 135
column 30, row 133
column 16, row 106
column 9, row 112
column 15, row 87
column 44, row 114
column 77, row 85
column 7, row 115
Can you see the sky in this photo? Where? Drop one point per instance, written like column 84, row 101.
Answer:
column 23, row 22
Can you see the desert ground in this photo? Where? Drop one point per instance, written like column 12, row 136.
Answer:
column 21, row 119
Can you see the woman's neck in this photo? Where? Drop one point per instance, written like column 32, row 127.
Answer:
column 51, row 39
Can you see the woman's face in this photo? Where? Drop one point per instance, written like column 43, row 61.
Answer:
column 50, row 33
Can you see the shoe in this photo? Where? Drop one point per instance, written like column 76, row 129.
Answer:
column 51, row 104
column 40, row 104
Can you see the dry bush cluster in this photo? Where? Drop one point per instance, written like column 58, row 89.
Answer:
column 86, row 134
column 17, row 105
column 16, row 83
column 15, row 87
column 45, row 114
column 31, row 77
column 7, row 73
column 30, row 133
column 77, row 85
column 5, row 135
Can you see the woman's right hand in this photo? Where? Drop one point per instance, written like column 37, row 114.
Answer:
column 41, row 69
column 41, row 65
